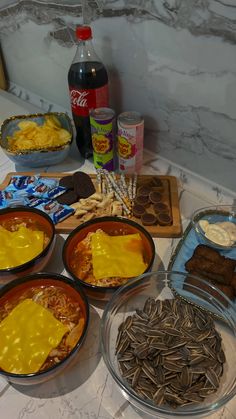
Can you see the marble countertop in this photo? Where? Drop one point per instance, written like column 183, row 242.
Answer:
column 85, row 390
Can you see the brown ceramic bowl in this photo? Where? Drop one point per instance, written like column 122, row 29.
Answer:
column 112, row 226
column 44, row 223
column 18, row 287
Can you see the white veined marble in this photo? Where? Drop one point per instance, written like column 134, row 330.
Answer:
column 174, row 61
column 85, row 390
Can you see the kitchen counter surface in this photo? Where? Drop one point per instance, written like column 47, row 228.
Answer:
column 86, row 390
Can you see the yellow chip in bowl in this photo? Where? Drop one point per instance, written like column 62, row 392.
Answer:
column 52, row 121
column 64, row 135
column 32, row 136
column 27, row 125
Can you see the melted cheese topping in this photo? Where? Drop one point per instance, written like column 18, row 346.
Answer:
column 27, row 335
column 18, row 247
column 120, row 256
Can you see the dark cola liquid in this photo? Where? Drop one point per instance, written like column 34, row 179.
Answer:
column 86, row 75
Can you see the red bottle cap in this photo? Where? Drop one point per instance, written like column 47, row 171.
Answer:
column 83, row 32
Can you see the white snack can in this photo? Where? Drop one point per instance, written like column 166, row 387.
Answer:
column 130, row 127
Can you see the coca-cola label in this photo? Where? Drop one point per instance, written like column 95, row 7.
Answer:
column 82, row 100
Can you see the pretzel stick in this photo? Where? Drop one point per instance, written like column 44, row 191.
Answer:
column 118, row 194
column 134, row 186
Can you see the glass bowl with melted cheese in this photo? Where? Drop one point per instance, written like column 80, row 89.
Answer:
column 106, row 252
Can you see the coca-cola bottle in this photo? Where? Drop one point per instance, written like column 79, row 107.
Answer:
column 88, row 85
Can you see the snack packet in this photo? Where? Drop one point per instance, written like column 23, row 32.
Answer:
column 57, row 212
column 11, row 199
column 35, row 185
column 22, row 182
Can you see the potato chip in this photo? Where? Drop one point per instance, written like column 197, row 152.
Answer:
column 52, row 121
column 27, row 124
column 32, row 136
column 64, row 135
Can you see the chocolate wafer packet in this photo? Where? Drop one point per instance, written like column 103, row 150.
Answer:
column 35, row 186
column 57, row 212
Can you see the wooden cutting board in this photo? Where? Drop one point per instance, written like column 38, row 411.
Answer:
column 170, row 196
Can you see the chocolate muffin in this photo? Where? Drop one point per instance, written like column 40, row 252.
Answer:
column 164, row 219
column 148, row 219
column 144, row 190
column 160, row 207
column 142, row 200
column 155, row 197
column 138, row 210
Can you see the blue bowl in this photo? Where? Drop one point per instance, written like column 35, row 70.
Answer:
column 214, row 215
column 40, row 157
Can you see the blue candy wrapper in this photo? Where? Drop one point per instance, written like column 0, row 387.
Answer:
column 37, row 192
column 51, row 183
column 45, row 191
column 35, row 185
column 57, row 212
column 34, row 201
column 18, row 182
column 10, row 199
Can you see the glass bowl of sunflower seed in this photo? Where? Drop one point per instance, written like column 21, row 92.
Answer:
column 169, row 344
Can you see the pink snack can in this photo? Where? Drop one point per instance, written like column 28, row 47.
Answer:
column 130, row 127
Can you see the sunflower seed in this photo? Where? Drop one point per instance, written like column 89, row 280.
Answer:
column 156, row 361
column 148, row 306
column 208, row 351
column 212, row 377
column 119, row 337
column 146, row 394
column 141, row 315
column 147, row 365
column 203, row 336
column 160, row 374
column 154, row 333
column 204, row 392
column 173, row 367
column 158, row 345
column 197, row 359
column 193, row 397
column 128, row 322
column 221, row 356
column 149, row 375
column 136, row 377
column 172, row 332
column 158, row 397
column 141, row 353
column 130, row 335
column 123, row 345
column 129, row 373
column 127, row 356
column 185, row 377
column 198, row 369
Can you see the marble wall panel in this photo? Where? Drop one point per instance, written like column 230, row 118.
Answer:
column 172, row 60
